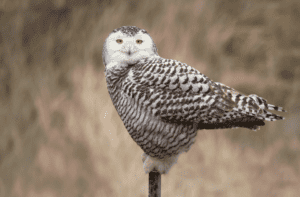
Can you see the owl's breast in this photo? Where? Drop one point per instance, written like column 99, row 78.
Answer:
column 155, row 136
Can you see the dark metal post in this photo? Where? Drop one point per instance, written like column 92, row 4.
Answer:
column 154, row 183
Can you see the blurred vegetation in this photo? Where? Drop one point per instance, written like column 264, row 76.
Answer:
column 61, row 136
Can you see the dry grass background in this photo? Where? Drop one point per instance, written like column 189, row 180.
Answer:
column 61, row 136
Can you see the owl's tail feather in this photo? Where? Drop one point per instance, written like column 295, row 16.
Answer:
column 262, row 103
column 266, row 115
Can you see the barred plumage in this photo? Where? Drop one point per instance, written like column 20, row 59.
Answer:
column 163, row 102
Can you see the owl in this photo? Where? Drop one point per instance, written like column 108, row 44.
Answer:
column 164, row 102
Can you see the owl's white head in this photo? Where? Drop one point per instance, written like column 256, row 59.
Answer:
column 128, row 45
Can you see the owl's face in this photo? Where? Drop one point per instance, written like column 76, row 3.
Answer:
column 128, row 45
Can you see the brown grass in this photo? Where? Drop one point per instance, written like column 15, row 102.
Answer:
column 61, row 136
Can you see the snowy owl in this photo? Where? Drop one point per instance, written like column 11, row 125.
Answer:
column 163, row 102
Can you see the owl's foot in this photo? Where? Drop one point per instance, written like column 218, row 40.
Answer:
column 161, row 165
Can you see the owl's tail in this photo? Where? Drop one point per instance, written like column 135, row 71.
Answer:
column 252, row 105
column 264, row 106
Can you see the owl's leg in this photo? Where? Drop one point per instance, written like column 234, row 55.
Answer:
column 161, row 165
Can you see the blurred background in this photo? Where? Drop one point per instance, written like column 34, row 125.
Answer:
column 60, row 134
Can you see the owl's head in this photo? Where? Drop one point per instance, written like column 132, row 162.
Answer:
column 128, row 44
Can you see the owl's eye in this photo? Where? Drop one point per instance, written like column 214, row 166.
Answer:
column 120, row 41
column 139, row 41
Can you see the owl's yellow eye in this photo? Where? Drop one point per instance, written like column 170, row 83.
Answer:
column 139, row 41
column 120, row 41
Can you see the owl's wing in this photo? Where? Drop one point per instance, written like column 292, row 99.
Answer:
column 175, row 91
